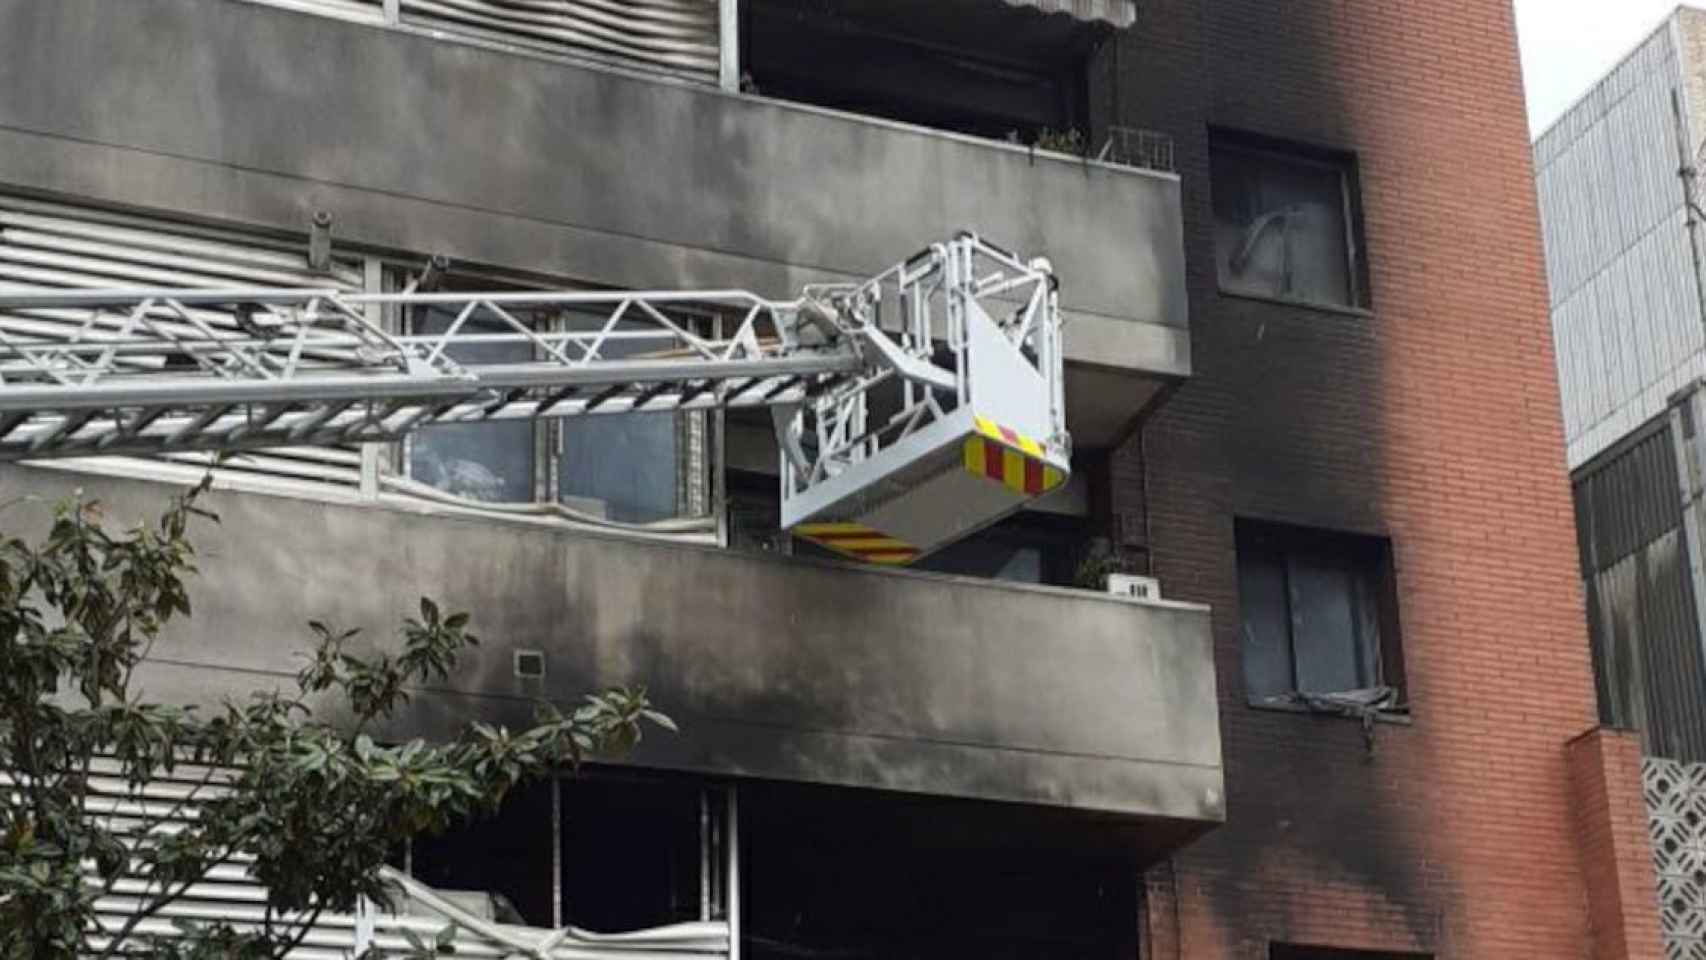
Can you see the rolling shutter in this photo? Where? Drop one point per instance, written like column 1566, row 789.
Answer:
column 49, row 246
column 679, row 36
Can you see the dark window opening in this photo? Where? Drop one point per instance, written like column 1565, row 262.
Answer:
column 1290, row 951
column 1024, row 548
column 635, row 853
column 963, row 65
column 499, row 865
column 1287, row 221
column 1318, row 616
column 872, row 881
column 631, row 854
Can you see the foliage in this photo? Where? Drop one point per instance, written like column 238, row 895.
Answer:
column 1100, row 560
column 319, row 806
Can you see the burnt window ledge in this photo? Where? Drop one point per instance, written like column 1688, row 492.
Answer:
column 1397, row 713
column 1319, row 306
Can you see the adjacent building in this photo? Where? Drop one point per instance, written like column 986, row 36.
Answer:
column 1310, row 383
column 1618, row 181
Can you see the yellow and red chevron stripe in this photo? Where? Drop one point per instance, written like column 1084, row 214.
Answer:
column 859, row 542
column 1011, row 459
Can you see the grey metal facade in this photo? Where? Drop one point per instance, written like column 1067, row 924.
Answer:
column 1641, row 599
column 1625, row 306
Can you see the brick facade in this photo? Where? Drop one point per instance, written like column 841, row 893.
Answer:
column 1617, row 861
column 1432, row 419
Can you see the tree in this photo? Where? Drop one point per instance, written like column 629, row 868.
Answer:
column 318, row 805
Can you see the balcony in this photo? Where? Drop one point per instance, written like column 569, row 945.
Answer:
column 250, row 115
column 777, row 669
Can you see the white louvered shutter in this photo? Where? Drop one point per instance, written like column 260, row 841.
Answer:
column 677, row 36
column 56, row 246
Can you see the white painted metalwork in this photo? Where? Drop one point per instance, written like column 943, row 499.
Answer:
column 1676, row 826
column 867, row 379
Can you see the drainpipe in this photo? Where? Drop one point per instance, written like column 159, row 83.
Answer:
column 1686, row 173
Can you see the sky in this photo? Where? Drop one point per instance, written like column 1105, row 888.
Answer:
column 1567, row 45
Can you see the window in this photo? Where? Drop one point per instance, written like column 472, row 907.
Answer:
column 1318, row 615
column 489, row 462
column 628, row 467
column 1287, row 223
column 635, row 853
column 1028, row 547
column 857, row 875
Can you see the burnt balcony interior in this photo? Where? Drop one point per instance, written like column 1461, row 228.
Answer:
column 968, row 66
column 610, row 851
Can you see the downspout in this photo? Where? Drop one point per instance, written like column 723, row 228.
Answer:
column 1687, row 173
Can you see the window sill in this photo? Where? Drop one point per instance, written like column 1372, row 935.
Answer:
column 1315, row 305
column 1399, row 716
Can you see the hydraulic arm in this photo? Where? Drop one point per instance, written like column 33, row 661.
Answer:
column 910, row 409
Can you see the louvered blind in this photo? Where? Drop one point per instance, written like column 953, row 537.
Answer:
column 675, row 35
column 230, row 895
column 367, row 11
column 48, row 246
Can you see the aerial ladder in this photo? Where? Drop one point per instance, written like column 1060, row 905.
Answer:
column 910, row 409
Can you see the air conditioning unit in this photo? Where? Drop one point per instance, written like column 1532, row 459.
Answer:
column 1134, row 587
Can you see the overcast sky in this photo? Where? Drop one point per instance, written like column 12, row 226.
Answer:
column 1569, row 44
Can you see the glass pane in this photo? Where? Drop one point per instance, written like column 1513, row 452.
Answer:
column 1279, row 228
column 491, row 462
column 1265, row 622
column 1334, row 633
column 627, row 464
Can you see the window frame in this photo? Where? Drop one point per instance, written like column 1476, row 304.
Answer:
column 549, row 443
column 1253, row 535
column 1345, row 165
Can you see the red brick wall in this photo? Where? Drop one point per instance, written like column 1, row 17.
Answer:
column 1433, row 420
column 1611, row 825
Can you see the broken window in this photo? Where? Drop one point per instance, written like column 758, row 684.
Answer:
column 609, row 852
column 1286, row 222
column 1318, row 619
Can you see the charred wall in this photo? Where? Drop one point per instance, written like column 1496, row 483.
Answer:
column 1429, row 417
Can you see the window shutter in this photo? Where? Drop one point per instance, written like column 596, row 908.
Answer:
column 678, row 36
column 49, row 246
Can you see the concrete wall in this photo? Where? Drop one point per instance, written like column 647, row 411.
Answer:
column 240, row 113
column 775, row 668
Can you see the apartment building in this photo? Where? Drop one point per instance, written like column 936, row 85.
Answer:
column 1309, row 381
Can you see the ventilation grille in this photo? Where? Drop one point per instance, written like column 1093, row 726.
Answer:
column 50, row 246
